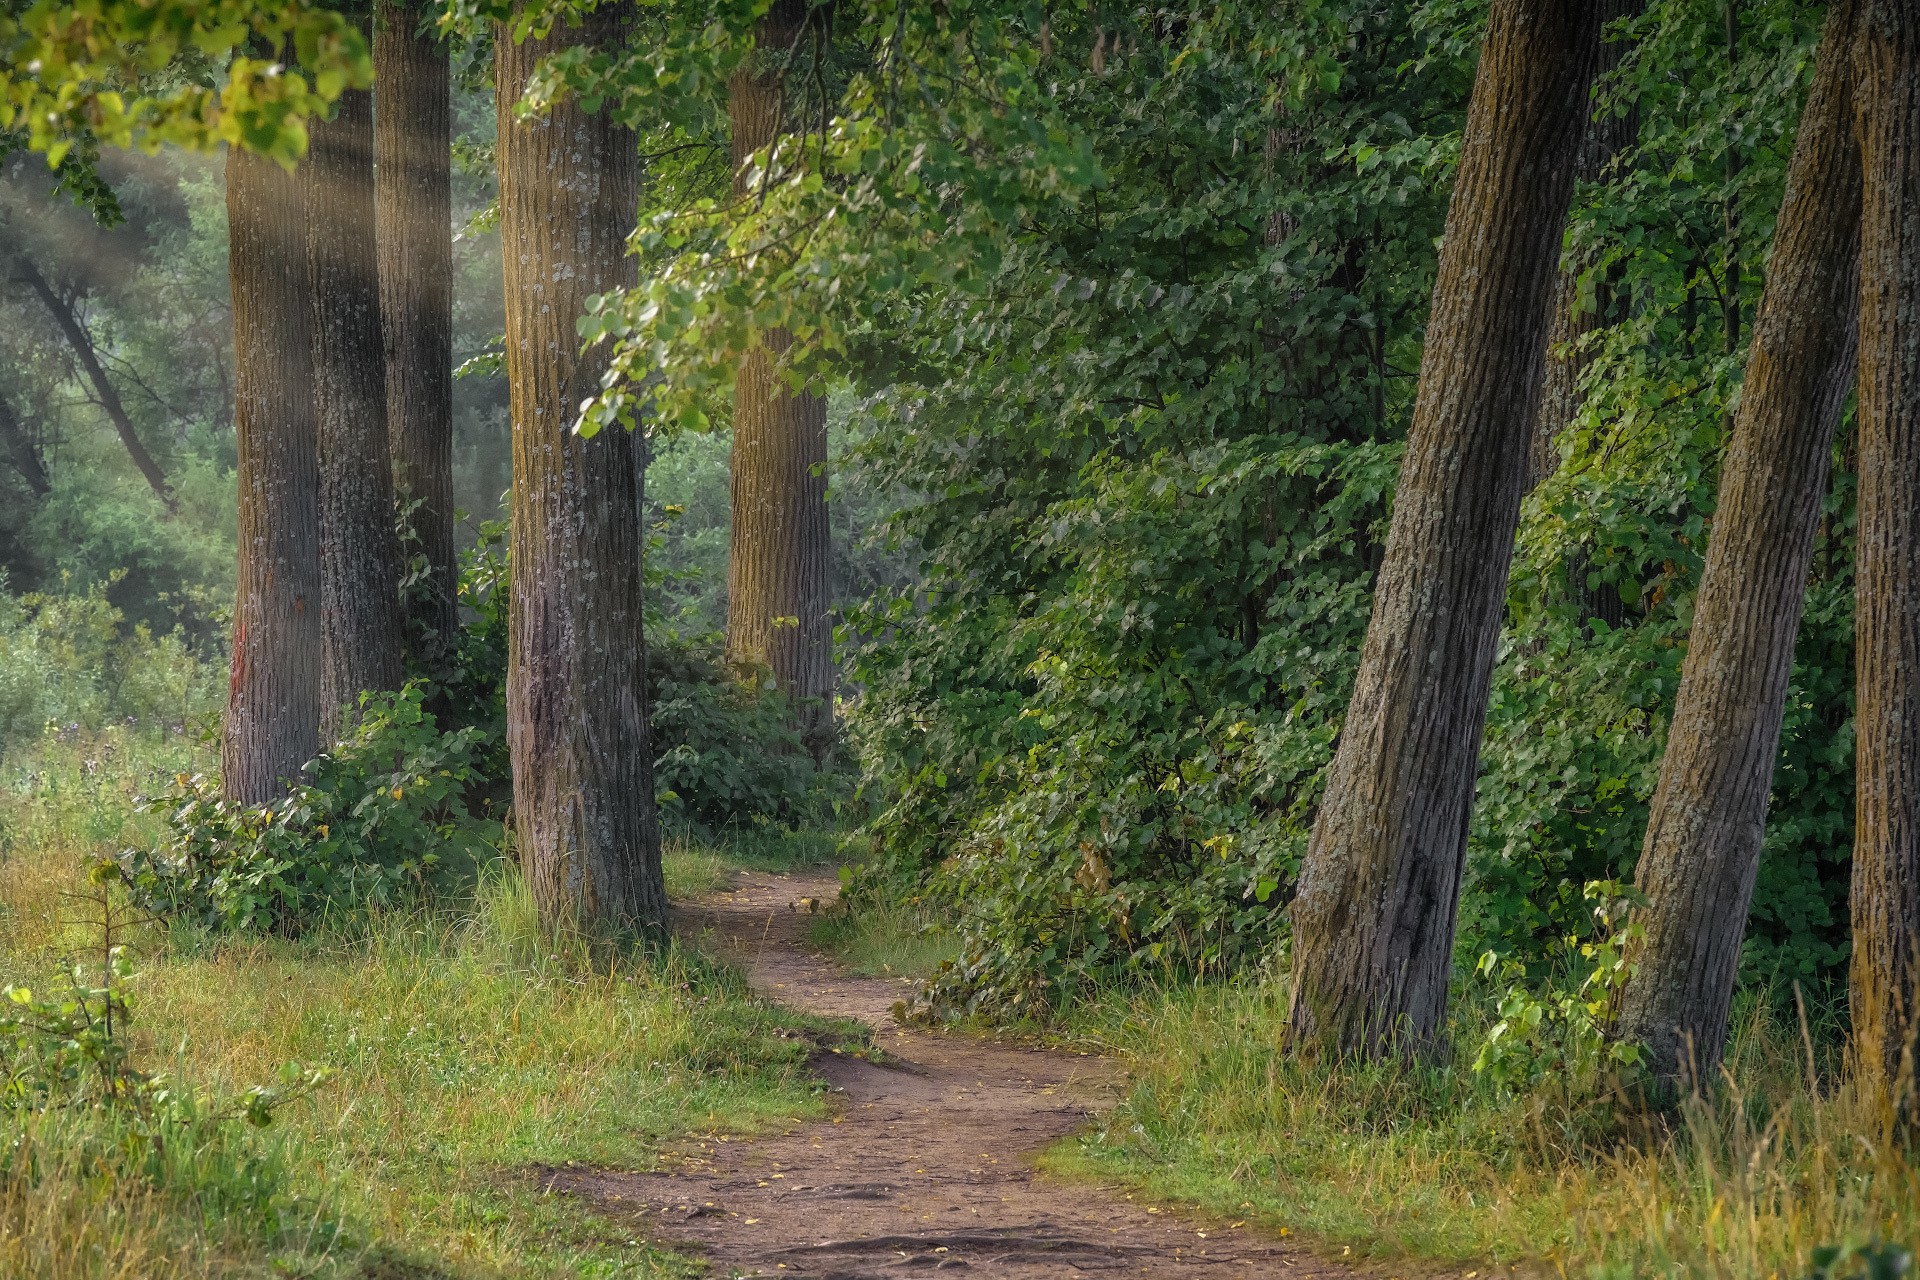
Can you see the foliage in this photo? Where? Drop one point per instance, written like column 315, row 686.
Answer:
column 1134, row 307
column 1564, row 1032
column 68, row 662
column 90, row 73
column 380, row 820
column 724, row 750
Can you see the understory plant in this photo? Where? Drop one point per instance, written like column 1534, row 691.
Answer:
column 379, row 820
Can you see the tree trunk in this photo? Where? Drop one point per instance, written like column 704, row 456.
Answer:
column 273, row 698
column 414, row 216
column 1708, row 815
column 1373, row 920
column 781, row 553
column 23, row 451
column 576, row 683
column 359, row 549
column 1607, row 137
column 1886, row 848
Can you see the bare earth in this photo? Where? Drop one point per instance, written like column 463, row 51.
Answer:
column 926, row 1167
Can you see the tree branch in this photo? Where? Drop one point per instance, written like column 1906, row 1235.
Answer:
column 89, row 357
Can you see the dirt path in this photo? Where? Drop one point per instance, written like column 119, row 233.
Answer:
column 927, row 1165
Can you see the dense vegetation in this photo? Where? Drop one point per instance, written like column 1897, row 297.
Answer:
column 1094, row 345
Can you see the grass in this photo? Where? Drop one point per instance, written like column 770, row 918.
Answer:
column 1436, row 1163
column 886, row 938
column 468, row 1048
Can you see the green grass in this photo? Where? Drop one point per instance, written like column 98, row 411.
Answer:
column 885, row 939
column 469, row 1048
column 1435, row 1163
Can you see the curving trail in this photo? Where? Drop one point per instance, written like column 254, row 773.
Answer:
column 926, row 1168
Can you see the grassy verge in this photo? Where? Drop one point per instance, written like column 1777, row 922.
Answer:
column 1438, row 1164
column 468, row 1051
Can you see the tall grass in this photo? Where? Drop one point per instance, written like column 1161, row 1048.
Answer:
column 470, row 1047
column 1435, row 1162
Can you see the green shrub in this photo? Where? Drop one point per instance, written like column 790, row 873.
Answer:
column 724, row 750
column 380, row 819
column 72, row 660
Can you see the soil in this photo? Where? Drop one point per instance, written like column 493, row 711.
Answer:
column 927, row 1165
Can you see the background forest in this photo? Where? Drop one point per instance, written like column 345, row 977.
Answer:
column 1116, row 316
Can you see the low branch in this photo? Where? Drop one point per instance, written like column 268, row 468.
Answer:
column 89, row 359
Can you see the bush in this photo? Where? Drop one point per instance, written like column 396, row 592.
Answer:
column 381, row 819
column 724, row 750
column 71, row 659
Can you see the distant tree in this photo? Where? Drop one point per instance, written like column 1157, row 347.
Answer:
column 273, row 703
column 1885, row 969
column 1609, row 133
column 359, row 549
column 1708, row 815
column 577, row 728
column 778, row 609
column 413, row 141
column 86, row 355
column 1374, row 914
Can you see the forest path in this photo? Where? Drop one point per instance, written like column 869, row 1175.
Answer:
column 927, row 1164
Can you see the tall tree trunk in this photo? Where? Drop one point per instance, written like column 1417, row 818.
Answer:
column 359, row 549
column 1608, row 135
column 1709, row 811
column 273, row 698
column 576, row 682
column 1885, row 976
column 1373, row 920
column 414, row 216
column 781, row 554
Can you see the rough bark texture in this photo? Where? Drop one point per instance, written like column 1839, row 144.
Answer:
column 23, row 451
column 1886, row 849
column 1374, row 915
column 1709, row 811
column 273, row 699
column 1608, row 135
column 781, row 552
column 359, row 550
column 576, row 688
column 414, row 215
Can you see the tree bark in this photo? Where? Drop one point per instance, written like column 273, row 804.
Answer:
column 273, row 697
column 23, row 452
column 1886, row 850
column 778, row 612
column 1607, row 137
column 576, row 684
column 414, row 218
column 1708, row 816
column 1373, row 921
column 359, row 549
column 88, row 358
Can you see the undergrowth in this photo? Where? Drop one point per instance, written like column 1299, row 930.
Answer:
column 1441, row 1162
column 467, row 1048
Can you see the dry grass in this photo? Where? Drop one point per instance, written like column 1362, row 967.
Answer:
column 1434, row 1163
column 468, row 1047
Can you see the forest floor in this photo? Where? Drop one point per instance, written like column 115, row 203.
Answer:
column 927, row 1163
